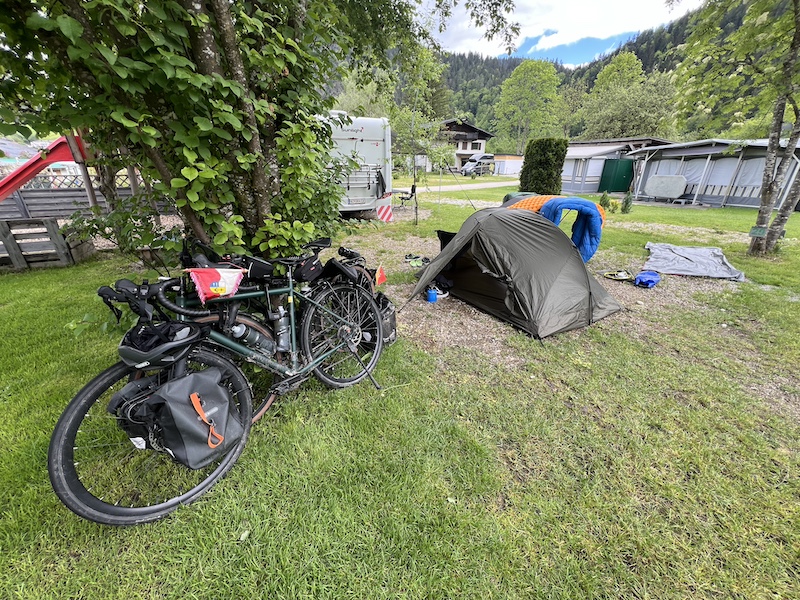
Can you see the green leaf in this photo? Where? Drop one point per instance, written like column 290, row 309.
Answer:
column 177, row 182
column 151, row 131
column 220, row 238
column 125, row 29
column 78, row 54
column 222, row 133
column 108, row 54
column 189, row 172
column 122, row 72
column 120, row 117
column 190, row 154
column 192, row 196
column 37, row 21
column 203, row 124
column 71, row 29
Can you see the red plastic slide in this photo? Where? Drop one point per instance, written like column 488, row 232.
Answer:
column 58, row 151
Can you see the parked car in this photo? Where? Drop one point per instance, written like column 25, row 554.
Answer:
column 478, row 164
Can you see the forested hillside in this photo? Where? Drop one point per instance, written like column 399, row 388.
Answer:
column 476, row 84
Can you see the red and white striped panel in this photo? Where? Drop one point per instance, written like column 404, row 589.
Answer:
column 385, row 213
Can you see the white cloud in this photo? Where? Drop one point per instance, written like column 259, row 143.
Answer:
column 571, row 20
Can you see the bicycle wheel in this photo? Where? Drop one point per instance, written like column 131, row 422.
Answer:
column 261, row 379
column 342, row 328
column 99, row 474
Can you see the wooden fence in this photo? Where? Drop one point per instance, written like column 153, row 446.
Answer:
column 30, row 243
column 61, row 203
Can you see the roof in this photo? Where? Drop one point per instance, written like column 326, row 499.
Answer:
column 708, row 146
column 592, row 151
column 633, row 142
column 459, row 126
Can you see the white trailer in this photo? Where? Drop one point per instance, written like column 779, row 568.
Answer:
column 368, row 140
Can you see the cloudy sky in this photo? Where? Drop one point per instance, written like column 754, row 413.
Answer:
column 572, row 31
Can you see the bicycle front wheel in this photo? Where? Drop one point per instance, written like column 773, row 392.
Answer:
column 341, row 329
column 100, row 475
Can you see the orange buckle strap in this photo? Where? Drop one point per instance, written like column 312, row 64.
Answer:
column 214, row 439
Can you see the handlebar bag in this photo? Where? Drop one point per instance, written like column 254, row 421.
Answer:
column 215, row 283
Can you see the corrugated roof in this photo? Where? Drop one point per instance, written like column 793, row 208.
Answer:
column 709, row 146
column 577, row 152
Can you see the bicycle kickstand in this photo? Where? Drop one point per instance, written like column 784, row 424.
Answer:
column 352, row 347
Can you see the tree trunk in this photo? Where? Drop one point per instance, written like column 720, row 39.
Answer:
column 772, row 181
column 189, row 216
column 259, row 179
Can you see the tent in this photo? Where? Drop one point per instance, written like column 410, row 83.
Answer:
column 519, row 267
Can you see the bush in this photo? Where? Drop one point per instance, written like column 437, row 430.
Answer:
column 605, row 201
column 627, row 203
column 542, row 166
column 614, row 205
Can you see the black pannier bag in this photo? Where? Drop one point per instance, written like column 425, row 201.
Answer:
column 388, row 318
column 193, row 418
column 199, row 421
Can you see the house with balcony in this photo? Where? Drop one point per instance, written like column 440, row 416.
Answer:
column 466, row 138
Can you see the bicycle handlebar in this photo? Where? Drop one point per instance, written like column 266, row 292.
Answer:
column 137, row 297
column 181, row 310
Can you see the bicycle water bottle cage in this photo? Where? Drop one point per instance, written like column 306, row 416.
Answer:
column 333, row 268
column 159, row 345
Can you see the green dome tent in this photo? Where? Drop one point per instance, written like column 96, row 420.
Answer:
column 520, row 267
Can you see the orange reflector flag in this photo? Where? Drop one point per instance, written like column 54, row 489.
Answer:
column 380, row 276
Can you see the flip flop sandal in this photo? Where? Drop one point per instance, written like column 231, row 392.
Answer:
column 618, row 275
column 412, row 257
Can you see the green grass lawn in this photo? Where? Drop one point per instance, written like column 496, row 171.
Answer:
column 433, row 180
column 660, row 461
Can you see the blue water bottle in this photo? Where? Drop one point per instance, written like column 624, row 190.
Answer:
column 431, row 295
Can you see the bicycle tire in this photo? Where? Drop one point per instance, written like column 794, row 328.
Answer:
column 261, row 380
column 340, row 311
column 365, row 280
column 98, row 473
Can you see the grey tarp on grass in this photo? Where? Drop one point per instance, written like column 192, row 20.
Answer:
column 690, row 260
column 520, row 267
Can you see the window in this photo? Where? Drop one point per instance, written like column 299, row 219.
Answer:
column 464, row 146
column 475, row 146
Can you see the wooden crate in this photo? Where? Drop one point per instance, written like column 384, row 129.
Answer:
column 32, row 243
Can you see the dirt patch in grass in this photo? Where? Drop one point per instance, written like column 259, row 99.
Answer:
column 647, row 315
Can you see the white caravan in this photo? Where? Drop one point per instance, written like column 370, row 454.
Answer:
column 369, row 141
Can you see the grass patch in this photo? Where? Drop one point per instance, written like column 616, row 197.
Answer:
column 654, row 454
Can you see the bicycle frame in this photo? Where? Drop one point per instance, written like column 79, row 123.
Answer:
column 295, row 368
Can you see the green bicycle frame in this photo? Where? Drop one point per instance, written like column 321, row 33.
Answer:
column 261, row 359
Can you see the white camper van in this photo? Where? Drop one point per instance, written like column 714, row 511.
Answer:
column 369, row 140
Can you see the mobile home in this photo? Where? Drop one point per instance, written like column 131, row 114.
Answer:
column 369, row 141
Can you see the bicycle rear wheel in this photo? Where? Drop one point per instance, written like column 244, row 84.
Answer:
column 100, row 475
column 343, row 328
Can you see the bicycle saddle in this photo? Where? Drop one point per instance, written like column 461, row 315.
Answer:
column 319, row 244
